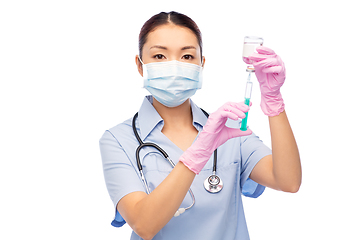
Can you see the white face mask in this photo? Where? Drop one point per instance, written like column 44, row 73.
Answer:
column 172, row 83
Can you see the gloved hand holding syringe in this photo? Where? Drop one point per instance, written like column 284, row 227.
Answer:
column 250, row 45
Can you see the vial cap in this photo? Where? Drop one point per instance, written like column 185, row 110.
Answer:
column 250, row 69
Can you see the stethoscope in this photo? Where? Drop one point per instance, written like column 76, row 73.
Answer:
column 212, row 184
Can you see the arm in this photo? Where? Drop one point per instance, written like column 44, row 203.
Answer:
column 282, row 169
column 148, row 214
column 145, row 214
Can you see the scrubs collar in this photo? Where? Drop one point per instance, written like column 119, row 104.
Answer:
column 198, row 116
column 149, row 118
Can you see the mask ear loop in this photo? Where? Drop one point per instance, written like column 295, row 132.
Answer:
column 145, row 73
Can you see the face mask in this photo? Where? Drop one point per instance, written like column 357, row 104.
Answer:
column 172, row 83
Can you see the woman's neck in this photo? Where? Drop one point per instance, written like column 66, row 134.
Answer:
column 176, row 117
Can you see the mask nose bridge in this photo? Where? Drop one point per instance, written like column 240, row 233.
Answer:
column 170, row 60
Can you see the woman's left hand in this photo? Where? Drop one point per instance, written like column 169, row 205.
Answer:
column 270, row 72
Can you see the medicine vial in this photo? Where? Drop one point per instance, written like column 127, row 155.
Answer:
column 250, row 45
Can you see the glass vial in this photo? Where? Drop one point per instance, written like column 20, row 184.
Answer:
column 249, row 47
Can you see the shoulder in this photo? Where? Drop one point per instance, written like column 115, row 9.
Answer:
column 121, row 133
column 122, row 129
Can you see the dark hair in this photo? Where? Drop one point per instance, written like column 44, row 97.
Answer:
column 166, row 18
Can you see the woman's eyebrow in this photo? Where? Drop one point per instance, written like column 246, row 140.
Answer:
column 188, row 47
column 158, row 46
column 165, row 48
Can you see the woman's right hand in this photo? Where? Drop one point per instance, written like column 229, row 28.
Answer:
column 214, row 134
column 270, row 72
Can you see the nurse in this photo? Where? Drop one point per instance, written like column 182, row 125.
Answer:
column 170, row 60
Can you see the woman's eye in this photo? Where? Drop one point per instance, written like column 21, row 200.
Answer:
column 188, row 57
column 159, row 56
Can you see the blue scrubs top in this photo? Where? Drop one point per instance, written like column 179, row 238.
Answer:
column 214, row 216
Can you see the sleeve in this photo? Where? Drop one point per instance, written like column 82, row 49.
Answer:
column 120, row 175
column 252, row 151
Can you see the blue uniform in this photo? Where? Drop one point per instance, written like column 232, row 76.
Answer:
column 214, row 216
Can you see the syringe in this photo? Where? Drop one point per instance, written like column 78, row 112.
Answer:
column 248, row 90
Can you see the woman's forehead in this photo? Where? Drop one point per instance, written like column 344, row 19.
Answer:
column 171, row 36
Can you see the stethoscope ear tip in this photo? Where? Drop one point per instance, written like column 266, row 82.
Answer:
column 179, row 211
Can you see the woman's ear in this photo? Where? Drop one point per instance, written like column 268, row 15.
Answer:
column 139, row 65
column 203, row 61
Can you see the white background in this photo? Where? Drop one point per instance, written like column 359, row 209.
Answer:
column 67, row 74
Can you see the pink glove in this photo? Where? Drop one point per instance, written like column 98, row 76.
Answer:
column 214, row 134
column 270, row 72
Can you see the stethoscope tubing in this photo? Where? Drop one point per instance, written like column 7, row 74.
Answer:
column 142, row 144
column 166, row 156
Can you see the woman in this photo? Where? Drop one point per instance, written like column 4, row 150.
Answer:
column 170, row 60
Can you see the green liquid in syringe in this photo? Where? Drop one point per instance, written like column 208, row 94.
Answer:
column 247, row 102
column 244, row 121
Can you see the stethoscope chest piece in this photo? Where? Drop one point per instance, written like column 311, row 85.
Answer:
column 213, row 184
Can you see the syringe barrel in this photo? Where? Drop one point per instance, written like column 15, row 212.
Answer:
column 243, row 126
column 248, row 89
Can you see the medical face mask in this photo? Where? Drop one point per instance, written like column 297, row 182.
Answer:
column 172, row 83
